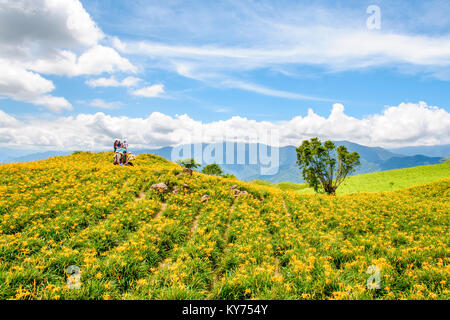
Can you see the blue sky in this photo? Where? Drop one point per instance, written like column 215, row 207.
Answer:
column 362, row 91
column 218, row 61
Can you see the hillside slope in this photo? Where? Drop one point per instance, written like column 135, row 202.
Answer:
column 132, row 242
column 377, row 181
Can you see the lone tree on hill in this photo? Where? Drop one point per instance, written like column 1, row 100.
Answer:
column 213, row 169
column 188, row 163
column 323, row 166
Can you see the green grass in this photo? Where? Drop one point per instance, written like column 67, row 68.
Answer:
column 376, row 181
column 285, row 186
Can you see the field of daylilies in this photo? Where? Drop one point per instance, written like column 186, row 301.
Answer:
column 78, row 227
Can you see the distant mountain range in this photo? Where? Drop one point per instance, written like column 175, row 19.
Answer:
column 442, row 151
column 373, row 159
column 246, row 163
column 22, row 156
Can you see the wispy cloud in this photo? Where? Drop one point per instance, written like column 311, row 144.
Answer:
column 149, row 92
column 269, row 35
column 99, row 103
column 271, row 92
column 335, row 49
column 113, row 82
column 222, row 110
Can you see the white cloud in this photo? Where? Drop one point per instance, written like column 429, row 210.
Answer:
column 119, row 45
column 94, row 61
column 113, row 82
column 407, row 124
column 22, row 85
column 50, row 37
column 6, row 120
column 149, row 92
column 130, row 82
column 103, row 82
column 55, row 104
column 46, row 24
column 99, row 103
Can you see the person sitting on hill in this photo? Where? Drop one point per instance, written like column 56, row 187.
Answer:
column 117, row 158
column 130, row 158
column 123, row 152
column 124, row 158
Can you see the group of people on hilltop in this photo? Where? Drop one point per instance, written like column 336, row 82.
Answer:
column 120, row 145
column 121, row 155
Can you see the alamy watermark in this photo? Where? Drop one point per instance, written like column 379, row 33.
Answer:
column 374, row 20
column 374, row 281
column 235, row 150
column 74, row 279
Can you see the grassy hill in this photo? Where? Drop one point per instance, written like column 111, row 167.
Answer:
column 133, row 242
column 377, row 181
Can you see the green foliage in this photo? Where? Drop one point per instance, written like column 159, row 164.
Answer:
column 213, row 169
column 188, row 163
column 229, row 176
column 81, row 152
column 285, row 186
column 324, row 166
